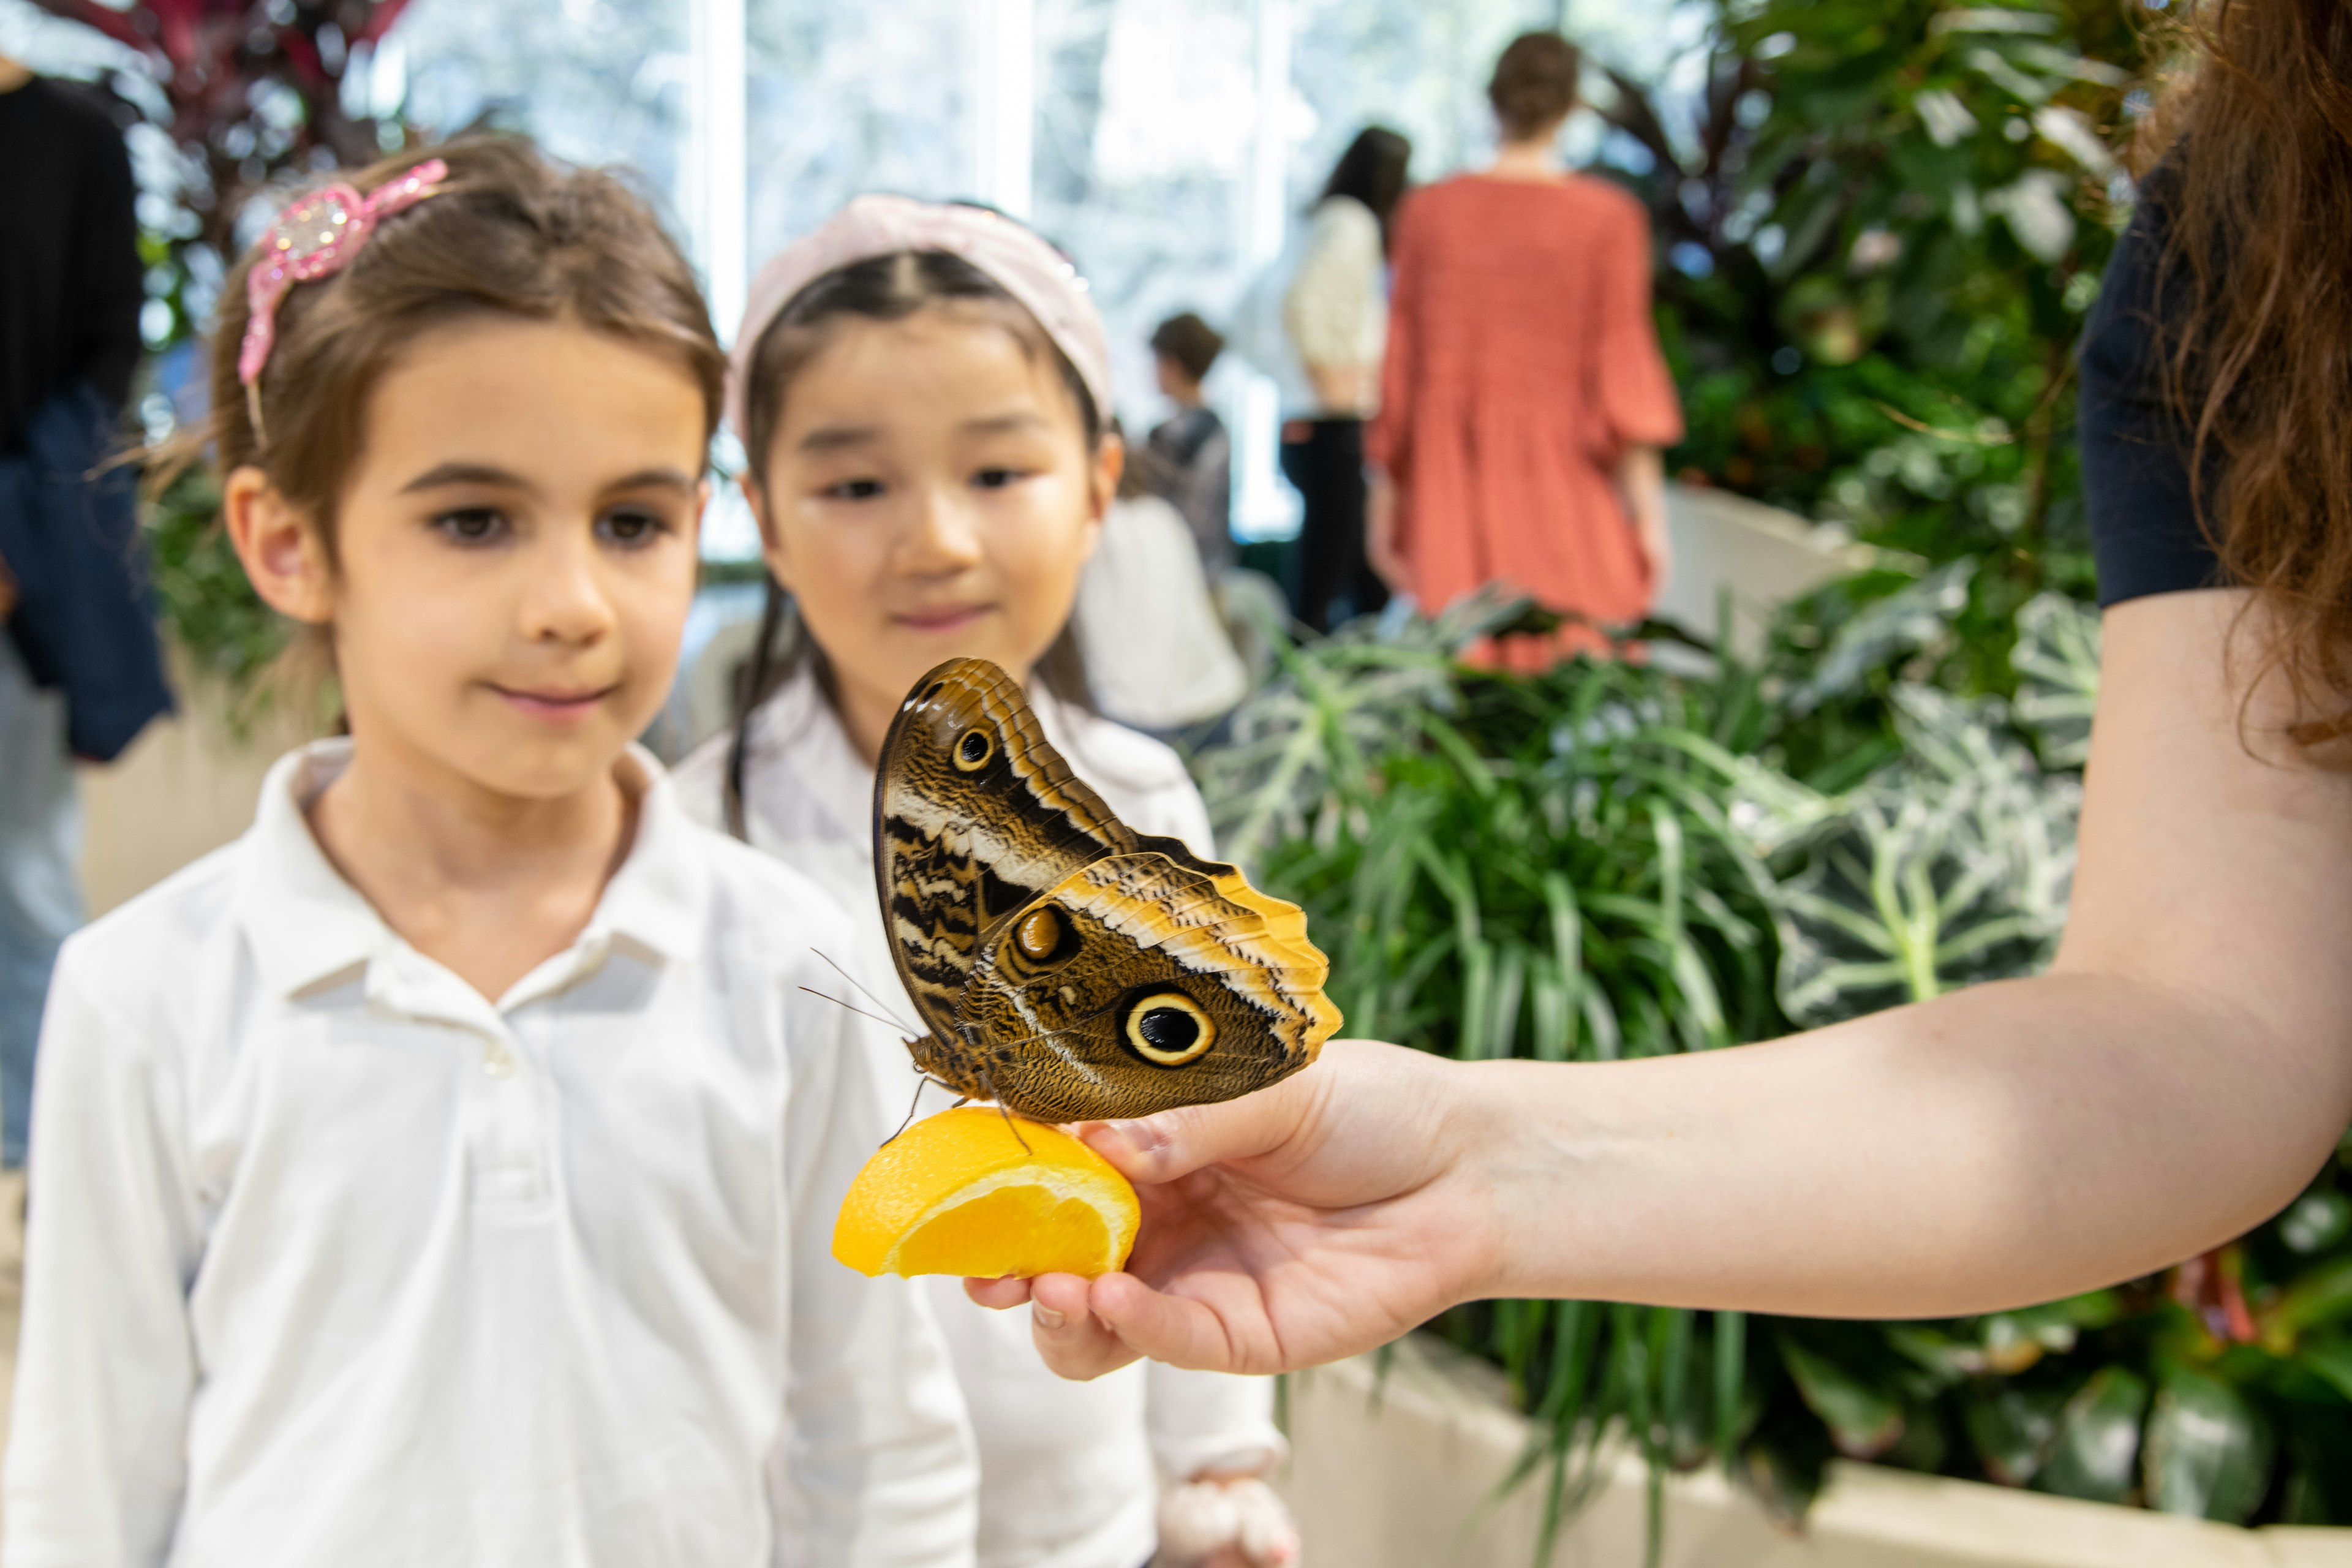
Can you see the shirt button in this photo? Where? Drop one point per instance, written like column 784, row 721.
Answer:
column 498, row 1061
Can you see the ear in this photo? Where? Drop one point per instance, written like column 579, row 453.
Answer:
column 1110, row 463
column 772, row 546
column 280, row 548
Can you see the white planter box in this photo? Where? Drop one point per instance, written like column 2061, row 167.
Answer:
column 1401, row 1473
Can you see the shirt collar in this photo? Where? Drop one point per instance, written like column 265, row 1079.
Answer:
column 308, row 925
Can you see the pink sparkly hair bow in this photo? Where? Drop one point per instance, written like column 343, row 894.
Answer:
column 1011, row 253
column 317, row 234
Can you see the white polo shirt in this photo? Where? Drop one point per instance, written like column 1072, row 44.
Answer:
column 1067, row 1469
column 334, row 1262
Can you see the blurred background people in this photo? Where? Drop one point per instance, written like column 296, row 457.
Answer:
column 1334, row 315
column 1195, row 458
column 1524, row 399
column 80, row 668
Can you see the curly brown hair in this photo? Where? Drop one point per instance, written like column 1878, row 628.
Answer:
column 2258, row 358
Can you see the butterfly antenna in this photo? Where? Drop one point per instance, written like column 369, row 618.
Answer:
column 859, row 987
column 986, row 1083
column 853, row 1007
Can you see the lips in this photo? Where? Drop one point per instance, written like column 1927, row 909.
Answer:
column 556, row 704
column 948, row 618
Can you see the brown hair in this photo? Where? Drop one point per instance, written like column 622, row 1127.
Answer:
column 509, row 233
column 1190, row 342
column 2258, row 364
column 1534, row 83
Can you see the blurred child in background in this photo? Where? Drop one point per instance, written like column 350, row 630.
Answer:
column 1195, row 466
column 923, row 393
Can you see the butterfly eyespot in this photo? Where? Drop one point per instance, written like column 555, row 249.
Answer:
column 1041, row 933
column 1168, row 1028
column 973, row 747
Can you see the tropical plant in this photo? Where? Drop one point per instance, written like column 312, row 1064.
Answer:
column 1610, row 860
column 1880, row 226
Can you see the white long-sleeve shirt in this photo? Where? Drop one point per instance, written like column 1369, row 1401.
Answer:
column 1067, row 1469
column 331, row 1260
column 1335, row 311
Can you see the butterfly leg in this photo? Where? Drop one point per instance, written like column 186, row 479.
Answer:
column 920, row 1082
column 1009, row 1126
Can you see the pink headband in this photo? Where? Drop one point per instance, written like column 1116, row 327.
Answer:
column 317, row 234
column 1028, row 268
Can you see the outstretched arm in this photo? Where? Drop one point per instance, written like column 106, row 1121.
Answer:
column 2176, row 1077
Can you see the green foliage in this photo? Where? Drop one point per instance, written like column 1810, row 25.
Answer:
column 1610, row 860
column 1878, row 236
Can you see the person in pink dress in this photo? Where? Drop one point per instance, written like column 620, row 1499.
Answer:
column 1524, row 404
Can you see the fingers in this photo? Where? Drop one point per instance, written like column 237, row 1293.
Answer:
column 1174, row 1144
column 997, row 1294
column 1068, row 1334
column 1176, row 1329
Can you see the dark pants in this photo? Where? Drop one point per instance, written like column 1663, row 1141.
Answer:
column 1324, row 458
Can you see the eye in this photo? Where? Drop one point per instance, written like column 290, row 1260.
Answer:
column 973, row 748
column 472, row 525
column 855, row 489
column 1041, row 934
column 1168, row 1028
column 997, row 479
column 632, row 527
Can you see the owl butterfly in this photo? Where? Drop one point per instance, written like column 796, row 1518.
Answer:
column 1068, row 967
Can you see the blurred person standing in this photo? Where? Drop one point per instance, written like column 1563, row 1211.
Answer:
column 1194, row 471
column 80, row 671
column 1525, row 403
column 1334, row 314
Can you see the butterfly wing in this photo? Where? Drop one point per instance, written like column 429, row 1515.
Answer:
column 975, row 815
column 1139, row 983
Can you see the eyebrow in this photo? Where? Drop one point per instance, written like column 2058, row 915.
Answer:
column 1002, row 424
column 443, row 475
column 838, row 437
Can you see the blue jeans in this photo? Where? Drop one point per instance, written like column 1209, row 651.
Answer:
column 40, row 891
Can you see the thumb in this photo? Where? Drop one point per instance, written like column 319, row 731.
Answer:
column 1174, row 1143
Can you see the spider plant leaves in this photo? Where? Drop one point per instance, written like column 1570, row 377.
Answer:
column 2207, row 1453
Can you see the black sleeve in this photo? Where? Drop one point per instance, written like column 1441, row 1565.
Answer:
column 107, row 271
column 2136, row 488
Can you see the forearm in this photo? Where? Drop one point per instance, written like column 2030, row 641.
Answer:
column 2003, row 1145
column 1641, row 476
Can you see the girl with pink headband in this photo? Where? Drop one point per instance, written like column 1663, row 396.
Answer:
column 923, row 396
column 445, row 1172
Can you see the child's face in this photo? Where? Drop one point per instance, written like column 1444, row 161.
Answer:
column 1176, row 382
column 930, row 495
column 515, row 548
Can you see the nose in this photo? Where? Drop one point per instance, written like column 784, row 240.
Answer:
column 944, row 538
column 565, row 597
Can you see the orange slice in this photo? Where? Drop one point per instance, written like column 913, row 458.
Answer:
column 956, row 1193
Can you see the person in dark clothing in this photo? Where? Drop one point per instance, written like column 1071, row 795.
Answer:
column 1334, row 314
column 1193, row 467
column 80, row 668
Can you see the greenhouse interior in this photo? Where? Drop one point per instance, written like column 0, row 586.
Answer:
column 1618, row 512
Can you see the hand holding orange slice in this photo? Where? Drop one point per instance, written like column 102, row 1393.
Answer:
column 958, row 1193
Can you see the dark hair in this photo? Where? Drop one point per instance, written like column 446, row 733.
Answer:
column 1534, row 83
column 2258, row 366
column 1372, row 171
column 888, row 289
column 509, row 233
column 1188, row 340
column 877, row 289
